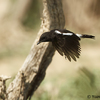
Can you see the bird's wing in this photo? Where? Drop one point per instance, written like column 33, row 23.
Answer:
column 57, row 47
column 68, row 45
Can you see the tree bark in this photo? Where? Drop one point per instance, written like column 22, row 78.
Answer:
column 32, row 72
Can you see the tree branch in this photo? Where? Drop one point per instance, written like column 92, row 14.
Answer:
column 34, row 68
column 3, row 94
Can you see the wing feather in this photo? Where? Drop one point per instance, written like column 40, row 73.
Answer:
column 68, row 45
column 58, row 48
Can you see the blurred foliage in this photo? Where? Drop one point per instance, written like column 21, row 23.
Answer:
column 32, row 16
column 13, row 1
column 9, row 52
column 94, row 8
column 43, row 96
column 77, row 88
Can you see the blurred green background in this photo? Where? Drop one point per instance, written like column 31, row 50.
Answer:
column 19, row 25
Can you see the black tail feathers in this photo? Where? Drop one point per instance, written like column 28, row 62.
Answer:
column 88, row 36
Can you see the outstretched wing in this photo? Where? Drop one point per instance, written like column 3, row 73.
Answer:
column 67, row 45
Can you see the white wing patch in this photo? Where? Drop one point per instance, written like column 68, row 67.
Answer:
column 68, row 34
column 79, row 35
column 58, row 32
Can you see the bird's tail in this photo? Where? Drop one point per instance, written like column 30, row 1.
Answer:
column 85, row 36
column 88, row 36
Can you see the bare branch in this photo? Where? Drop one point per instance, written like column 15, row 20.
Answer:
column 34, row 68
column 3, row 94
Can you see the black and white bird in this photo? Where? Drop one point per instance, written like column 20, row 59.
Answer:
column 65, row 42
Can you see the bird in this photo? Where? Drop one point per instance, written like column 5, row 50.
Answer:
column 65, row 42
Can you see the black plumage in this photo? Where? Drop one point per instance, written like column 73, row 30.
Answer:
column 65, row 42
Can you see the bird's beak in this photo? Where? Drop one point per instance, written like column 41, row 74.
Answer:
column 38, row 43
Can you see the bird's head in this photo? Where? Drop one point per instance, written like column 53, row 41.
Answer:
column 45, row 37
